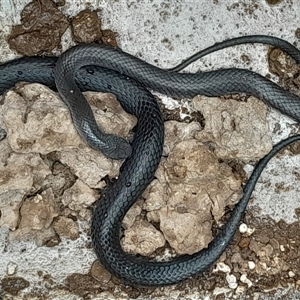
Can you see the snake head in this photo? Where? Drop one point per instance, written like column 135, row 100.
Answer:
column 118, row 148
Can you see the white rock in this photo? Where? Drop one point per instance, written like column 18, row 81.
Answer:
column 231, row 280
column 251, row 265
column 222, row 267
column 291, row 274
column 245, row 280
column 243, row 228
column 11, row 268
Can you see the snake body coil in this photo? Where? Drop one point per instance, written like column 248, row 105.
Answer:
column 126, row 76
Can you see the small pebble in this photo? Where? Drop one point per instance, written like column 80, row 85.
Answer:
column 11, row 268
column 251, row 265
column 231, row 280
column 291, row 274
column 222, row 267
column 243, row 228
column 240, row 290
column 244, row 279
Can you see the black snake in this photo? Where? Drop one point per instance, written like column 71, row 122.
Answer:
column 112, row 70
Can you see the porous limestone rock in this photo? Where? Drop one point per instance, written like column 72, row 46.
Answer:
column 46, row 159
column 235, row 129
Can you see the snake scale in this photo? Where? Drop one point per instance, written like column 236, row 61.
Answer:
column 103, row 68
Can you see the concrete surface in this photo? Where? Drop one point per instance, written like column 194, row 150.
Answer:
column 164, row 33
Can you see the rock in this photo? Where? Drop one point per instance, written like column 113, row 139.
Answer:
column 198, row 186
column 191, row 185
column 130, row 217
column 39, row 237
column 86, row 27
column 66, row 227
column 10, row 203
column 187, row 233
column 100, row 274
column 43, row 25
column 23, row 173
column 176, row 132
column 245, row 280
column 44, row 156
column 236, row 129
column 222, row 267
column 13, row 285
column 11, row 268
column 38, row 121
column 251, row 265
column 82, row 284
column 38, row 212
column 190, row 188
column 154, row 196
column 142, row 238
column 231, row 280
column 109, row 38
column 36, row 216
column 79, row 196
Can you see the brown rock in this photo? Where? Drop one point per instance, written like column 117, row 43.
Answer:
column 66, row 227
column 100, row 274
column 13, row 285
column 38, row 212
column 109, row 38
column 82, row 284
column 86, row 27
column 142, row 238
column 42, row 26
column 236, row 129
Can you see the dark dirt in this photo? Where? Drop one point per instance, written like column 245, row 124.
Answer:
column 286, row 69
column 13, row 285
column 86, row 27
column 43, row 24
column 273, row 2
column 288, row 72
column 82, row 284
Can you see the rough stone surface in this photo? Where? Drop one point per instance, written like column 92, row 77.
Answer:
column 100, row 274
column 36, row 216
column 235, row 129
column 142, row 238
column 177, row 132
column 86, row 27
column 43, row 25
column 184, row 196
column 46, row 169
column 79, row 196
column 66, row 227
column 192, row 187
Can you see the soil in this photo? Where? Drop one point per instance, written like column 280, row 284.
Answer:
column 43, row 25
column 273, row 2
